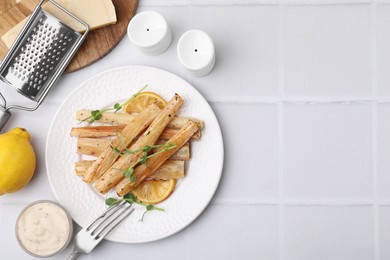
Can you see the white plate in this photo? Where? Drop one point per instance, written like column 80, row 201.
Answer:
column 192, row 194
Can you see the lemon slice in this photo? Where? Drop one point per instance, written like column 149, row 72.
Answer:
column 154, row 191
column 142, row 100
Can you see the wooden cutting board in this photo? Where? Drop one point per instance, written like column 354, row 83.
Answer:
column 99, row 42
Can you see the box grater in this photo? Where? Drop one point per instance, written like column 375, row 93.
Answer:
column 38, row 57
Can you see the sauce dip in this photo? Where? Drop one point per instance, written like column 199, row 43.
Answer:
column 44, row 228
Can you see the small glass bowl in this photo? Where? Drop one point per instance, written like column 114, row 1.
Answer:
column 70, row 222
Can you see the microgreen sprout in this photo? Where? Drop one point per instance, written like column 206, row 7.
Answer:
column 98, row 114
column 129, row 172
column 148, row 207
column 130, row 198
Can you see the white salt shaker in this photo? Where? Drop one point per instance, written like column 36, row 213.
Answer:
column 150, row 32
column 196, row 52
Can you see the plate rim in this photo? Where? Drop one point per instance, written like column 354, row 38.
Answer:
column 222, row 150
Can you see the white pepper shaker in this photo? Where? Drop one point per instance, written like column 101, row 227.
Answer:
column 196, row 52
column 150, row 32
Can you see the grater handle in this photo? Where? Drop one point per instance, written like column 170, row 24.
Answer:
column 4, row 116
column 62, row 68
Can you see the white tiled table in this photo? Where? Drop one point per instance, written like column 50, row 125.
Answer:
column 302, row 92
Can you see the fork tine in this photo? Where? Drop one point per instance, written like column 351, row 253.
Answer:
column 110, row 226
column 105, row 215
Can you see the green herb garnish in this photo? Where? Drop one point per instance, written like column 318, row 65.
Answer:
column 130, row 198
column 149, row 207
column 128, row 173
column 97, row 114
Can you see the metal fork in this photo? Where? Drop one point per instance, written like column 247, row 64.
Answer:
column 88, row 238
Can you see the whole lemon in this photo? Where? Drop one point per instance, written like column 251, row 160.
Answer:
column 17, row 160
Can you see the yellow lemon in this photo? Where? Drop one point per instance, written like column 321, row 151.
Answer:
column 17, row 160
column 142, row 100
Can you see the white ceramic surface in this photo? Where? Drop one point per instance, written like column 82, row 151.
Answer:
column 191, row 195
column 311, row 78
column 150, row 32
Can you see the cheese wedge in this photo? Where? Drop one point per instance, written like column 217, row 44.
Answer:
column 96, row 13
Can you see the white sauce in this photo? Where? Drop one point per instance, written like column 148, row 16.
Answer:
column 43, row 229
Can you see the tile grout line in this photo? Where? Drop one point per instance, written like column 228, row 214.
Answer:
column 302, row 100
column 305, row 202
column 259, row 3
column 375, row 179
column 280, row 130
column 374, row 122
column 299, row 3
column 189, row 22
column 297, row 202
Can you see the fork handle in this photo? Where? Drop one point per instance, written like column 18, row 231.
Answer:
column 73, row 255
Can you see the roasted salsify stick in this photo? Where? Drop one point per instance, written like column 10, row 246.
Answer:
column 96, row 146
column 171, row 169
column 143, row 171
column 107, row 131
column 116, row 173
column 123, row 139
column 125, row 118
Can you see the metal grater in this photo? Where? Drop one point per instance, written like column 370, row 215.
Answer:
column 38, row 57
